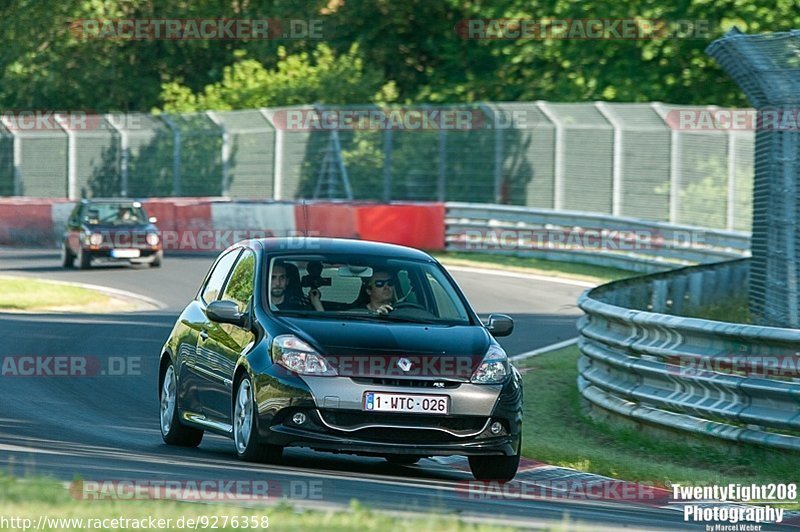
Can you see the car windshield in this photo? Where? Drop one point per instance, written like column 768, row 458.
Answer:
column 114, row 214
column 355, row 287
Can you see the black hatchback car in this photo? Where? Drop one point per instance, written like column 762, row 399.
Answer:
column 110, row 230
column 344, row 346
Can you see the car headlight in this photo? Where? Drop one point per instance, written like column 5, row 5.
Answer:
column 296, row 355
column 493, row 369
column 151, row 239
column 93, row 239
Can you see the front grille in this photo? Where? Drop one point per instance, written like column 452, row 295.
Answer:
column 419, row 436
column 406, row 383
column 349, row 419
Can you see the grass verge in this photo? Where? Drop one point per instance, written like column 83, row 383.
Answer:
column 556, row 432
column 582, row 272
column 33, row 498
column 33, row 295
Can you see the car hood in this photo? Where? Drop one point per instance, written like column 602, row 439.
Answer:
column 369, row 348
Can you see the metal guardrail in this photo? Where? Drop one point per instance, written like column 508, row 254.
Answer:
column 643, row 358
column 602, row 240
column 725, row 380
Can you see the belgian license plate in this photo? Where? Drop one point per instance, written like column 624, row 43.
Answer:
column 409, row 403
column 125, row 253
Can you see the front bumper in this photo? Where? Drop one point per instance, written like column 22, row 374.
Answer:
column 336, row 421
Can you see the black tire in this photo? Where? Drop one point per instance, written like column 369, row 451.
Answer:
column 67, row 257
column 84, row 259
column 172, row 431
column 156, row 262
column 248, row 447
column 403, row 459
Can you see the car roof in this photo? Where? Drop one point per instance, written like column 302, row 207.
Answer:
column 306, row 245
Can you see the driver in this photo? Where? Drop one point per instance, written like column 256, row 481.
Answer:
column 380, row 289
column 281, row 300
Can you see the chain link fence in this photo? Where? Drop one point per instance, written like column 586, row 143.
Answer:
column 767, row 68
column 651, row 161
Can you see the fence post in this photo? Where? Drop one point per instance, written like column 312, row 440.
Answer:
column 176, row 155
column 731, row 210
column 674, row 164
column 124, row 153
column 616, row 158
column 558, row 159
column 72, row 154
column 387, row 164
column 277, row 160
column 441, row 180
column 16, row 153
column 226, row 152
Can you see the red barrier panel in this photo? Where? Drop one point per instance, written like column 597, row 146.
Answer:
column 418, row 226
column 180, row 220
column 26, row 222
column 326, row 219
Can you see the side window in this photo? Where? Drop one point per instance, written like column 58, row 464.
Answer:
column 240, row 286
column 444, row 303
column 218, row 276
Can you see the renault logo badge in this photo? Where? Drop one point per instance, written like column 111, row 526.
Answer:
column 404, row 364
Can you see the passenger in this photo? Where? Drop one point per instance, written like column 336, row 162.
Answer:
column 282, row 296
column 380, row 290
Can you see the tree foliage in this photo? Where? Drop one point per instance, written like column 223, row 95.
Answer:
column 371, row 50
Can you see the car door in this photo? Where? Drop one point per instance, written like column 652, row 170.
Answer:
column 219, row 350
column 193, row 376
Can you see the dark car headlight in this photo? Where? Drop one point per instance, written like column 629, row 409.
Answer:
column 296, row 355
column 494, row 367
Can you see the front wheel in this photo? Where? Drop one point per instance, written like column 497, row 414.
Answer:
column 172, row 432
column 156, row 262
column 67, row 258
column 245, row 427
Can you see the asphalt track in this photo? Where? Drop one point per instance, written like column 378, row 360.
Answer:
column 105, row 427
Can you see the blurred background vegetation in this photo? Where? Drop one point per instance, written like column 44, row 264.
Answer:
column 371, row 51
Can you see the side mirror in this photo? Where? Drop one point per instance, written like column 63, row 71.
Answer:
column 225, row 312
column 500, row 325
column 152, row 219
